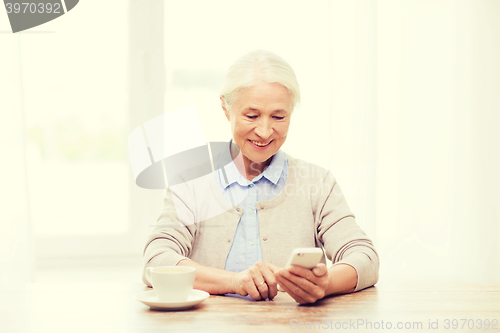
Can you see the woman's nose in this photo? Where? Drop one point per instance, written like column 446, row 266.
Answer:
column 264, row 129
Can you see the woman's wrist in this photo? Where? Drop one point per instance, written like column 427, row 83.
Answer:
column 210, row 279
column 232, row 284
column 343, row 279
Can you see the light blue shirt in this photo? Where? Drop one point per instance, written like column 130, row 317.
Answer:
column 241, row 192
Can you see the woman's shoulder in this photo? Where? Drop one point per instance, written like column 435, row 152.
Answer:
column 307, row 171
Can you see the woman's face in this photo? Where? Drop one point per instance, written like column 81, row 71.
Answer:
column 260, row 117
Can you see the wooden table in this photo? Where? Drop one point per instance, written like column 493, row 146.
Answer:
column 93, row 308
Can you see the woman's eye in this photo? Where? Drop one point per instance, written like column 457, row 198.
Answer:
column 251, row 117
column 278, row 118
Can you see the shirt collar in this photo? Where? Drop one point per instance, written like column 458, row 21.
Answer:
column 275, row 169
column 230, row 174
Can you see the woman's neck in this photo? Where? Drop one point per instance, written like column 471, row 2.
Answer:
column 247, row 168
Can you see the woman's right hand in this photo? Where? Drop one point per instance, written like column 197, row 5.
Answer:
column 257, row 281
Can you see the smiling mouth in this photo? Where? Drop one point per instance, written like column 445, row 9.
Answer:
column 260, row 144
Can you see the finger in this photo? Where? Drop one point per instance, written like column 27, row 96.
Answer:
column 268, row 275
column 273, row 268
column 273, row 290
column 303, row 288
column 262, row 288
column 289, row 287
column 248, row 286
column 302, row 272
column 253, row 292
column 271, row 283
column 314, row 285
column 259, row 279
column 303, row 282
column 315, row 276
column 262, row 272
column 320, row 270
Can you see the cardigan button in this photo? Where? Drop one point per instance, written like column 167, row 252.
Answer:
column 261, row 206
column 264, row 239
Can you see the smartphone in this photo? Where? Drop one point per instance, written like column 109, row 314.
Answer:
column 307, row 257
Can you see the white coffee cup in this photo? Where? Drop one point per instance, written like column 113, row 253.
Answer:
column 171, row 283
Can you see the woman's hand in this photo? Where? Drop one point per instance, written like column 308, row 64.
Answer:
column 257, row 281
column 304, row 285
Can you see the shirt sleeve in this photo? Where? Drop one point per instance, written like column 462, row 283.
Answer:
column 172, row 238
column 343, row 240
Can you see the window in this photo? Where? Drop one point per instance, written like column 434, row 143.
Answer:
column 74, row 79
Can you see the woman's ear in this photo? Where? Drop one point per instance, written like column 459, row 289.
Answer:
column 224, row 107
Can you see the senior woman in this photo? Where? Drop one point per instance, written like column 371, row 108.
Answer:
column 270, row 204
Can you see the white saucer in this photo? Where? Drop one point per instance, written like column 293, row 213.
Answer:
column 149, row 298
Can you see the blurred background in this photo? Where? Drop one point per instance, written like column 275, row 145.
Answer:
column 400, row 100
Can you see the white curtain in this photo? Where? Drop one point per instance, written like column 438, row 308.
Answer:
column 16, row 241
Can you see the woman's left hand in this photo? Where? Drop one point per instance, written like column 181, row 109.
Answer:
column 304, row 285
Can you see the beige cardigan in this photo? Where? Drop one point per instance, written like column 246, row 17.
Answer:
column 198, row 223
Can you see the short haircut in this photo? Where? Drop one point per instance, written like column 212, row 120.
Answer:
column 255, row 66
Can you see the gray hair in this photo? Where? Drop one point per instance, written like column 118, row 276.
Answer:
column 259, row 65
